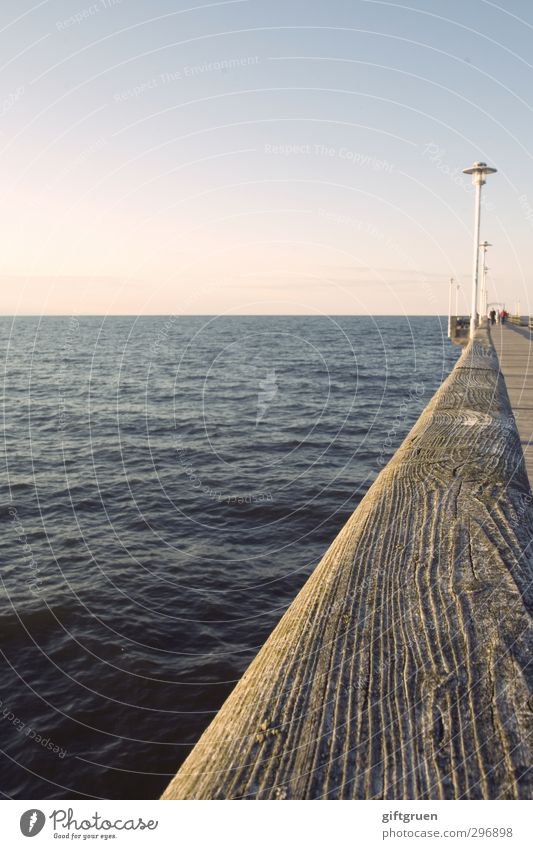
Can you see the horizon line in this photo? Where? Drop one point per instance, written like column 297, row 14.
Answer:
column 224, row 315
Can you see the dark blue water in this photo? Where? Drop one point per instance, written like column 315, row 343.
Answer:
column 168, row 485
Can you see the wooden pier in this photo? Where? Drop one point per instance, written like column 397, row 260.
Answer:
column 514, row 347
column 404, row 667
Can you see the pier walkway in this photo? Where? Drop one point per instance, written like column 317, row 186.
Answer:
column 403, row 669
column 514, row 347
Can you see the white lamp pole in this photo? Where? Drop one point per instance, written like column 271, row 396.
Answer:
column 457, row 299
column 479, row 171
column 450, row 309
column 484, row 245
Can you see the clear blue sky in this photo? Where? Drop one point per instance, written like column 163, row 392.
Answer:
column 261, row 156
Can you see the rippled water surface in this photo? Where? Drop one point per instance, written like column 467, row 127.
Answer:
column 169, row 484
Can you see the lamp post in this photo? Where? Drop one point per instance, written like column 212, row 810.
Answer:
column 479, row 171
column 450, row 309
column 457, row 299
column 483, row 310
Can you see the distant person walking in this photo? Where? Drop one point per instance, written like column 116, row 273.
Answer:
column 503, row 316
column 492, row 315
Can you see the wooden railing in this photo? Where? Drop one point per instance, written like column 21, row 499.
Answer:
column 403, row 669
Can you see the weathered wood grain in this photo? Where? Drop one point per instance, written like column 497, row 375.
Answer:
column 403, row 669
column 515, row 356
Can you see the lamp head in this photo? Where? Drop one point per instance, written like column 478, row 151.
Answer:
column 479, row 171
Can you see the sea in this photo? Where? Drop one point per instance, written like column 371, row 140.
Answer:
column 168, row 485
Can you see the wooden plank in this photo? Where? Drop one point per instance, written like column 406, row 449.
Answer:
column 515, row 352
column 403, row 669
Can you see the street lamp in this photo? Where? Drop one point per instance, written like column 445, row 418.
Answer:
column 457, row 287
column 484, row 298
column 479, row 171
column 450, row 309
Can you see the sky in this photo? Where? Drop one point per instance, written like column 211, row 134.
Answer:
column 262, row 157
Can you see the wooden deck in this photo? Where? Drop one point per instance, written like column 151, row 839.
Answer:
column 514, row 347
column 403, row 669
